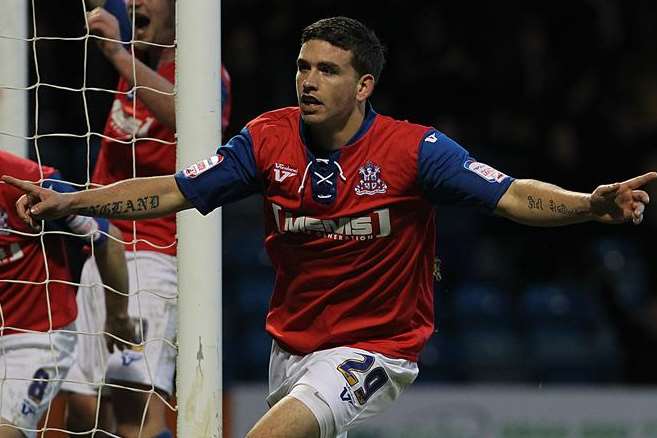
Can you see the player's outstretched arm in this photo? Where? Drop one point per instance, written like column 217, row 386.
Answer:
column 537, row 203
column 138, row 198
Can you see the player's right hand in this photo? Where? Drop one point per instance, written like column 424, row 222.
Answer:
column 622, row 202
column 105, row 25
column 38, row 203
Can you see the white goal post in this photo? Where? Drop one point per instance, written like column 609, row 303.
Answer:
column 13, row 77
column 198, row 120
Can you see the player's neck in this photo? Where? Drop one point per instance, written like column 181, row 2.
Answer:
column 335, row 135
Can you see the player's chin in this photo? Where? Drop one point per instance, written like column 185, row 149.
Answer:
column 313, row 114
column 312, row 117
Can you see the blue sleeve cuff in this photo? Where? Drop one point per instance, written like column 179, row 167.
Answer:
column 190, row 194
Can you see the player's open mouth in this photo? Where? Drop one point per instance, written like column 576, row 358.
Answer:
column 309, row 103
column 141, row 21
column 307, row 99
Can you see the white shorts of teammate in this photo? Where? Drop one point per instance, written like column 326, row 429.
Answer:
column 341, row 386
column 152, row 305
column 26, row 359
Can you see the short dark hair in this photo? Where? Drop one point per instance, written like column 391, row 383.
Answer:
column 349, row 34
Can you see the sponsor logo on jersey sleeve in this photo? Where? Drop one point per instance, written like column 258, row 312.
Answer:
column 485, row 171
column 202, row 166
column 370, row 182
column 431, row 138
column 283, row 172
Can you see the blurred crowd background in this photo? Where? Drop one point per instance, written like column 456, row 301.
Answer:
column 564, row 92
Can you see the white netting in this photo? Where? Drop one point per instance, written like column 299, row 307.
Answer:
column 140, row 286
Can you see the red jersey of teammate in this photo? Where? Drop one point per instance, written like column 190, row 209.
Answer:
column 25, row 305
column 154, row 154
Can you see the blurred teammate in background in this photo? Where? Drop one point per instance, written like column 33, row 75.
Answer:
column 148, row 117
column 33, row 349
column 349, row 205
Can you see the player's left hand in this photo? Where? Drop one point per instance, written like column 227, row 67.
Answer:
column 122, row 332
column 621, row 202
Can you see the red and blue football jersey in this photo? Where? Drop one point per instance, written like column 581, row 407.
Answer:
column 351, row 233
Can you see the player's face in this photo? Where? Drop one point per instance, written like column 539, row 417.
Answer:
column 154, row 21
column 327, row 83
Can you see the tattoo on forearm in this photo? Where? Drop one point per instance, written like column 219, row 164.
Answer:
column 118, row 208
column 536, row 203
column 562, row 209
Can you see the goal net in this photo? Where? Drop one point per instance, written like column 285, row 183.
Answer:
column 28, row 30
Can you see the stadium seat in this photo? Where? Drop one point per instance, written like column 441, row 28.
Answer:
column 560, row 306
column 484, row 318
column 565, row 335
column 481, row 305
column 493, row 355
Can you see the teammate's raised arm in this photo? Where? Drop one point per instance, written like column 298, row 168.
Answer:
column 537, row 203
column 160, row 102
column 139, row 198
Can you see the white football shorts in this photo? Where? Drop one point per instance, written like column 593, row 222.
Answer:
column 152, row 306
column 32, row 367
column 341, row 386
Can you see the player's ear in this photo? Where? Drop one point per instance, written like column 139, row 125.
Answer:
column 365, row 87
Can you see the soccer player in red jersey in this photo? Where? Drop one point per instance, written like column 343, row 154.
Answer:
column 141, row 122
column 37, row 299
column 349, row 204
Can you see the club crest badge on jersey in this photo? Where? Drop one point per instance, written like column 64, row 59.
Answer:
column 370, row 180
column 485, row 171
column 202, row 166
